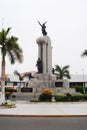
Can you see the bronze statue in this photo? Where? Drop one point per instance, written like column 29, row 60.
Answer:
column 53, row 70
column 43, row 28
column 39, row 66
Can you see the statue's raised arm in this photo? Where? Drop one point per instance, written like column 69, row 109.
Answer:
column 39, row 23
column 43, row 27
column 44, row 23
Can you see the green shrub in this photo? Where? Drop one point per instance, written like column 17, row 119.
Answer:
column 61, row 98
column 85, row 96
column 8, row 92
column 77, row 97
column 8, row 95
column 45, row 97
column 79, row 89
column 69, row 97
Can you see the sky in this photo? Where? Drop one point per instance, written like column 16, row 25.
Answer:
column 66, row 26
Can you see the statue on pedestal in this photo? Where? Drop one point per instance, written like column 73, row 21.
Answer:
column 43, row 28
column 44, row 52
column 39, row 66
column 53, row 70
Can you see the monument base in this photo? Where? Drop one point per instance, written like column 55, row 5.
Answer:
column 42, row 81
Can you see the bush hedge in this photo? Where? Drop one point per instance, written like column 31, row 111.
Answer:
column 69, row 97
column 79, row 89
column 45, row 97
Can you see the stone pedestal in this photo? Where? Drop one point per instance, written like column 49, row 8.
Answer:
column 45, row 53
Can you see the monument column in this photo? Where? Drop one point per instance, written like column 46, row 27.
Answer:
column 39, row 51
column 49, row 56
column 44, row 59
column 45, row 53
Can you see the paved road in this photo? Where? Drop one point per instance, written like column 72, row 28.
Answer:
column 43, row 123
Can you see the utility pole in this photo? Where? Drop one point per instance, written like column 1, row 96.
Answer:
column 83, row 81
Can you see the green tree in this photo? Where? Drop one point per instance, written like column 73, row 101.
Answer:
column 62, row 72
column 10, row 47
column 21, row 77
column 84, row 53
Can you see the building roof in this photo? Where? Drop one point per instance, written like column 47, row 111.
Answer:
column 78, row 78
column 74, row 77
column 31, row 72
column 15, row 78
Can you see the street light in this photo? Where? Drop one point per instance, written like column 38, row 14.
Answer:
column 83, row 80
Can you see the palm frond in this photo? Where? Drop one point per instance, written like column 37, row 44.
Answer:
column 65, row 67
column 19, row 75
column 57, row 68
column 16, row 73
column 68, row 76
column 11, row 57
column 62, row 72
column 8, row 30
column 2, row 37
column 14, row 50
column 18, row 55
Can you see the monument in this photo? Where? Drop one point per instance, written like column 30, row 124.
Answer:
column 45, row 76
column 44, row 51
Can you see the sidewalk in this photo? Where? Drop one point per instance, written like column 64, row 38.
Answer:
column 46, row 109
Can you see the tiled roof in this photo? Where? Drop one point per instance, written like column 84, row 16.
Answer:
column 16, row 78
column 31, row 72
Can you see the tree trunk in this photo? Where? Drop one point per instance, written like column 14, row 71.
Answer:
column 3, row 80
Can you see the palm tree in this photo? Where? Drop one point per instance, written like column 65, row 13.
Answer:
column 8, row 45
column 21, row 77
column 62, row 72
column 84, row 53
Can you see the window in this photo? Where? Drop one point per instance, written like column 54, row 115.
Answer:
column 59, row 84
column 15, row 83
column 27, row 90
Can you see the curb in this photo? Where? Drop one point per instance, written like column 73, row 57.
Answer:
column 12, row 115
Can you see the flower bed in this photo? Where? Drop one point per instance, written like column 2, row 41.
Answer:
column 46, row 95
column 8, row 105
